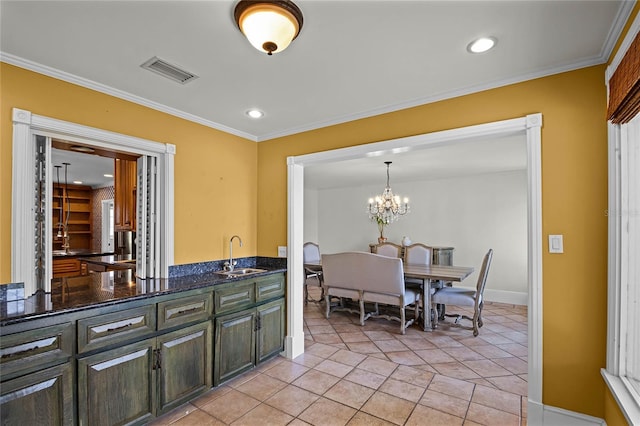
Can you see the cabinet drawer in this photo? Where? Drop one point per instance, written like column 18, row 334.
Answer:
column 184, row 310
column 66, row 267
column 233, row 296
column 116, row 327
column 28, row 351
column 269, row 287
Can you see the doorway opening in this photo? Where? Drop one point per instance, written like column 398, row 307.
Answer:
column 530, row 126
column 33, row 136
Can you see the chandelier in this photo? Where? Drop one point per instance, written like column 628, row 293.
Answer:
column 387, row 207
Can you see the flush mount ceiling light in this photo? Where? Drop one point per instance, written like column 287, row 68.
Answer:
column 255, row 113
column 269, row 25
column 482, row 44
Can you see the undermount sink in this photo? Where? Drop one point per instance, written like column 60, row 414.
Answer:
column 241, row 272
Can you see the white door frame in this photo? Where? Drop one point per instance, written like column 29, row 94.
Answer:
column 531, row 127
column 25, row 127
column 106, row 209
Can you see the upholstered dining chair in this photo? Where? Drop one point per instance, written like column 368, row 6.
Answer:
column 418, row 254
column 311, row 254
column 466, row 297
column 387, row 249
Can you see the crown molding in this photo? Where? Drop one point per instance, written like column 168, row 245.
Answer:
column 98, row 87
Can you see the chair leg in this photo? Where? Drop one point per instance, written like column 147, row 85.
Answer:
column 434, row 322
column 327, row 302
column 306, row 294
column 361, row 311
column 480, row 314
column 402, row 319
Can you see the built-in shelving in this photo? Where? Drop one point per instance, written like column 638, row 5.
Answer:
column 76, row 201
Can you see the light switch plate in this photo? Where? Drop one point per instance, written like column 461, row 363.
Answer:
column 555, row 244
column 282, row 251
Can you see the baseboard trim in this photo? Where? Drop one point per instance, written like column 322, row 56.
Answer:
column 546, row 415
column 505, row 296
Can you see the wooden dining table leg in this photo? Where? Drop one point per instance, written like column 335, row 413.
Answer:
column 426, row 307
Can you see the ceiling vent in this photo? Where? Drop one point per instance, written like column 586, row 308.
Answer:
column 164, row 68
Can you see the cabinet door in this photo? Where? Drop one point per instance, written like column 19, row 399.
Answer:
column 124, row 206
column 235, row 346
column 185, row 364
column 117, row 386
column 42, row 398
column 270, row 329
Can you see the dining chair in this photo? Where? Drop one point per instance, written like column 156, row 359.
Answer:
column 387, row 249
column 311, row 254
column 466, row 297
column 418, row 253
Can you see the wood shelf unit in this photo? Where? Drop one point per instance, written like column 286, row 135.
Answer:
column 78, row 199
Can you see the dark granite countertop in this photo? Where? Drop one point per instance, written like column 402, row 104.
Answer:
column 59, row 254
column 112, row 261
column 106, row 288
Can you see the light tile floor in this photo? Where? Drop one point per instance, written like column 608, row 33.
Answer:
column 373, row 375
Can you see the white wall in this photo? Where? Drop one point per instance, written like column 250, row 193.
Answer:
column 472, row 214
column 310, row 215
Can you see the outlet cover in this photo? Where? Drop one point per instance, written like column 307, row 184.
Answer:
column 282, row 251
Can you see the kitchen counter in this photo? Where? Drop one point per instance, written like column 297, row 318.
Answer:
column 109, row 262
column 57, row 254
column 106, row 288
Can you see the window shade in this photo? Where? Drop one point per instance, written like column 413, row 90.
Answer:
column 624, row 86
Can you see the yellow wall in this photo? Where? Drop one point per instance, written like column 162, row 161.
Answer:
column 209, row 164
column 574, row 200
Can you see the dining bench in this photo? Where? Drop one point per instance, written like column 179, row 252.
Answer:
column 368, row 278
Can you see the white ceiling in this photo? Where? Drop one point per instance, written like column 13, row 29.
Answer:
column 87, row 168
column 352, row 59
column 464, row 158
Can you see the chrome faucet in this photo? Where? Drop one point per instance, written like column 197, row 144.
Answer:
column 228, row 266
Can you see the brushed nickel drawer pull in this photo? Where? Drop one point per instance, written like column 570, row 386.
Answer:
column 184, row 311
column 9, row 355
column 118, row 325
column 129, row 324
column 23, row 349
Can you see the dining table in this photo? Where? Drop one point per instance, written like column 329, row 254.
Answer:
column 430, row 276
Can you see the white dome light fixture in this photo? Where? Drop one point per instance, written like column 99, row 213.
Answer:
column 269, row 25
column 255, row 113
column 482, row 45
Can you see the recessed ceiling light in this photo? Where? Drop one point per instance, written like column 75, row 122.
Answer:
column 255, row 113
column 482, row 44
column 77, row 182
column 107, row 175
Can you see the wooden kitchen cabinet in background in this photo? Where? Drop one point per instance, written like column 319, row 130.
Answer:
column 72, row 204
column 125, row 195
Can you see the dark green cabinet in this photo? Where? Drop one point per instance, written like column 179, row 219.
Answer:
column 246, row 338
column 235, row 348
column 133, row 383
column 185, row 365
column 41, row 398
column 270, row 333
column 130, row 362
column 117, row 386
